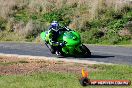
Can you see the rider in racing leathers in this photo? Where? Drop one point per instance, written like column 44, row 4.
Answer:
column 54, row 33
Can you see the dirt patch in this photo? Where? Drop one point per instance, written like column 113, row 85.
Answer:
column 14, row 66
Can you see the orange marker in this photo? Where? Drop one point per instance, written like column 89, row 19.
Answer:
column 85, row 81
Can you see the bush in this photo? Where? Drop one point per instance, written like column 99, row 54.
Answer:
column 116, row 24
column 22, row 15
column 92, row 36
column 33, row 29
column 58, row 15
column 2, row 24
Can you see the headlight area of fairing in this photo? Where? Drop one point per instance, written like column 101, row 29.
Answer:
column 71, row 42
column 72, row 46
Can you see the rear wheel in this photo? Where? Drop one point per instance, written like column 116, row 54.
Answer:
column 85, row 51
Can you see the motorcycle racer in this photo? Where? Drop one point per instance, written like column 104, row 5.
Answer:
column 53, row 35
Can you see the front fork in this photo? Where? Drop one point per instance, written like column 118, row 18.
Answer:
column 47, row 45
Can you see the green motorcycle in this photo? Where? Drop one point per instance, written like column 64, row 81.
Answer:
column 73, row 45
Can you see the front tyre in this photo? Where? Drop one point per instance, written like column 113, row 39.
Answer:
column 85, row 51
column 51, row 48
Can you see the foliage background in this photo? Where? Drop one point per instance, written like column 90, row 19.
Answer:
column 98, row 21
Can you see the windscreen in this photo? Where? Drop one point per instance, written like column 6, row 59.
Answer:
column 69, row 35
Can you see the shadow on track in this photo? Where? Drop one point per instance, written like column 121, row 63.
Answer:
column 100, row 56
column 92, row 56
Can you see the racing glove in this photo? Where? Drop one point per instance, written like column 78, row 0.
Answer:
column 62, row 44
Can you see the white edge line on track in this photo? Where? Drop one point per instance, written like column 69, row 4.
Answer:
column 54, row 59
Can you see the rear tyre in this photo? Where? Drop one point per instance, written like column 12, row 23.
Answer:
column 85, row 51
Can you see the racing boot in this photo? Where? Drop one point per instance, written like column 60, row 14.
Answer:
column 58, row 53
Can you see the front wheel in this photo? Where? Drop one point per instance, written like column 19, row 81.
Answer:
column 51, row 48
column 85, row 51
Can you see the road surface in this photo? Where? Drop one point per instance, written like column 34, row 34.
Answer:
column 105, row 54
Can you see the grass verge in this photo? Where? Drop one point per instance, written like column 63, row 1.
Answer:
column 66, row 80
column 57, row 74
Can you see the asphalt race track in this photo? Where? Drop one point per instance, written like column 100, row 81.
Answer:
column 106, row 54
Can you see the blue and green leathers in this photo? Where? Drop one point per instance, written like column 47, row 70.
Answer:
column 73, row 44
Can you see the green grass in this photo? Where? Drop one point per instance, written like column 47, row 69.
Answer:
column 23, row 62
column 7, row 63
column 40, row 80
column 11, row 63
column 67, row 80
column 120, row 45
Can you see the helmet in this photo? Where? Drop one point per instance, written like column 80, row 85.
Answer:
column 55, row 24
